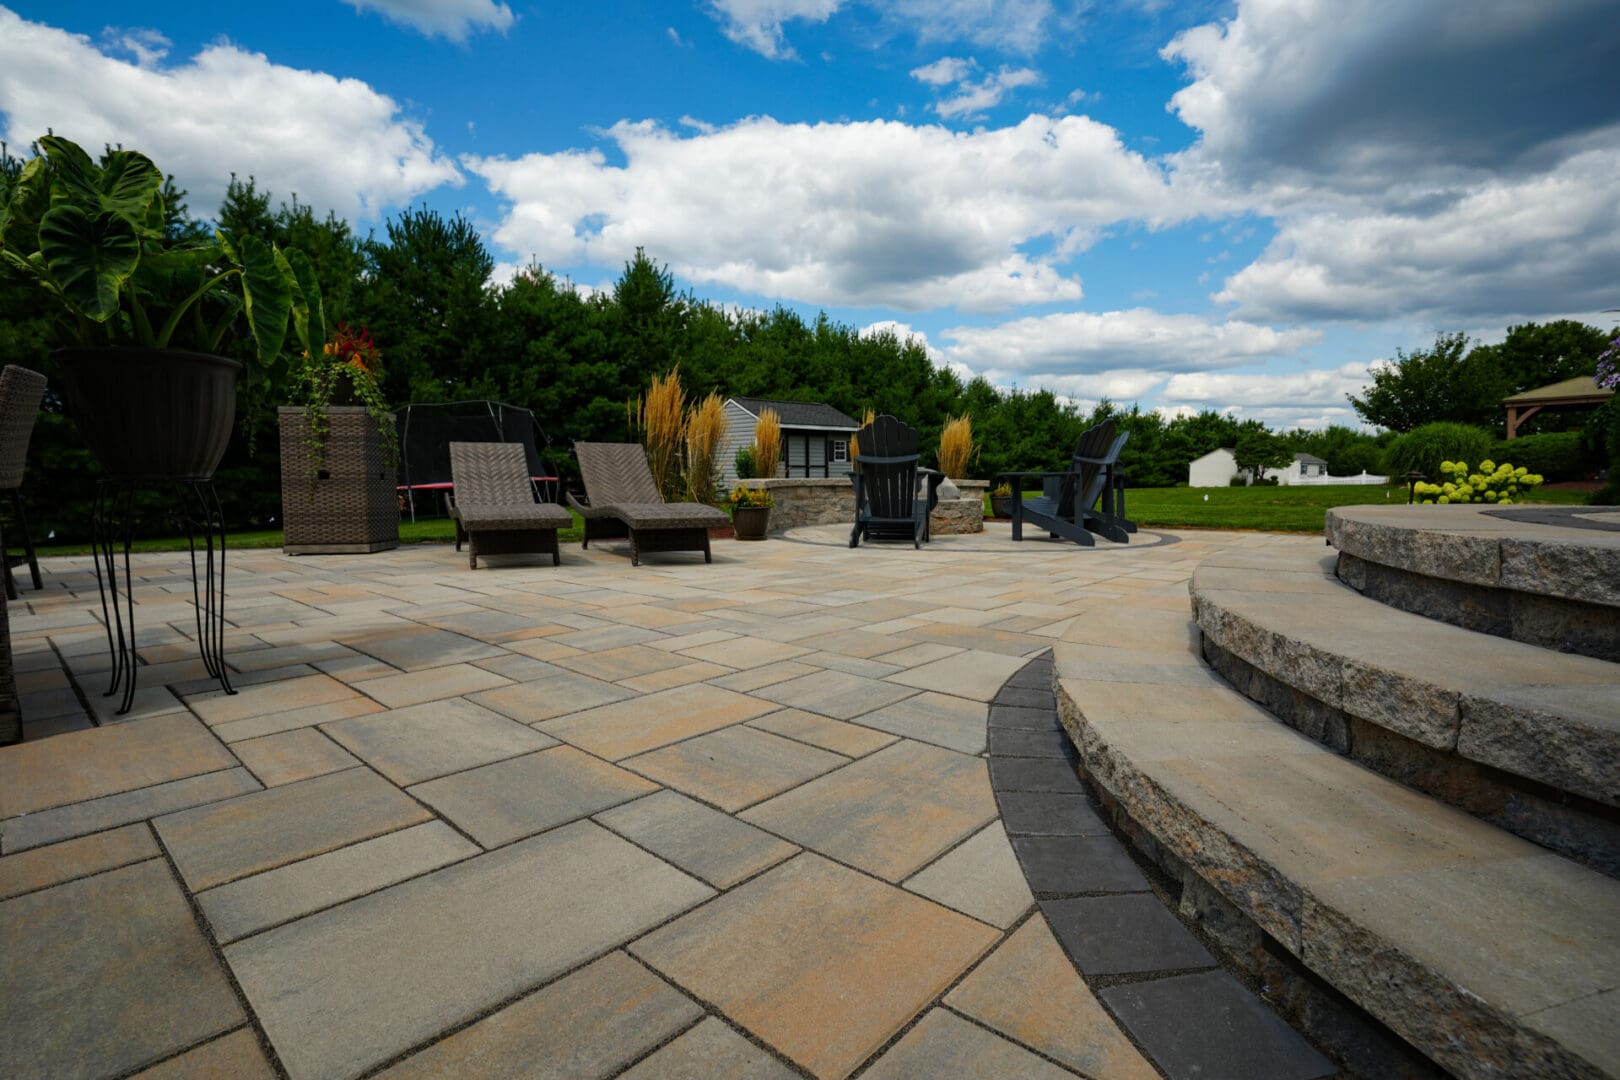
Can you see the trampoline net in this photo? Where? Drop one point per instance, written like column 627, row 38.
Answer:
column 426, row 432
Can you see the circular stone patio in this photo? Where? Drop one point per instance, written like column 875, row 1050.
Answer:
column 681, row 819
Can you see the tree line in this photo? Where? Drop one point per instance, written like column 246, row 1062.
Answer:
column 577, row 357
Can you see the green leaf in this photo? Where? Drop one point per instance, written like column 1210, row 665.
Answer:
column 30, row 198
column 130, row 183
column 91, row 258
column 80, row 178
column 309, row 311
column 268, row 295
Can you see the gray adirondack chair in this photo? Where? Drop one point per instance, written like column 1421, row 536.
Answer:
column 1087, row 498
column 893, row 494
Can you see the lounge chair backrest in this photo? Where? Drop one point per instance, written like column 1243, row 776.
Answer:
column 20, row 393
column 616, row 473
column 490, row 474
column 888, row 463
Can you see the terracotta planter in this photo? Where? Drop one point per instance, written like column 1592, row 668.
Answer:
column 151, row 414
column 348, row 502
column 751, row 522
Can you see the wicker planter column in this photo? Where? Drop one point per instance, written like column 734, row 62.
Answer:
column 351, row 504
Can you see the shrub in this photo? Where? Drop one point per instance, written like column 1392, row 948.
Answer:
column 705, row 427
column 1557, row 456
column 1238, row 481
column 747, row 467
column 1424, row 448
column 956, row 446
column 1492, row 483
column 767, row 443
column 662, row 420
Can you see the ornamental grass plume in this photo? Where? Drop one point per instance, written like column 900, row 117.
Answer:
column 767, row 443
column 855, row 440
column 956, row 446
column 662, row 420
column 705, row 427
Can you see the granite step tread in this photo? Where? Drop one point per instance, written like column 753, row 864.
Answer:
column 1489, row 954
column 1472, row 544
column 1550, row 717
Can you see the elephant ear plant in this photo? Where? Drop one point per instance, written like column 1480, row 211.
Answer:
column 131, row 298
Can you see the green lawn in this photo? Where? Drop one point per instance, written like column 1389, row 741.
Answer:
column 1278, row 509
column 1275, row 509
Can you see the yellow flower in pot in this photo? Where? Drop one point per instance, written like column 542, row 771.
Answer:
column 751, row 511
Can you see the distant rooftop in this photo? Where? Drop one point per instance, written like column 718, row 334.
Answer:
column 800, row 414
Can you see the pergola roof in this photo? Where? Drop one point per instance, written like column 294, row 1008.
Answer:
column 1581, row 390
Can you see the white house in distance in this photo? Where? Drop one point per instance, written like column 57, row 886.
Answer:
column 1218, row 467
column 815, row 437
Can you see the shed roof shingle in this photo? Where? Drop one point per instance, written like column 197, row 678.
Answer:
column 800, row 414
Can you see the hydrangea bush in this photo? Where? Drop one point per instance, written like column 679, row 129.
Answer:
column 1608, row 365
column 1491, row 483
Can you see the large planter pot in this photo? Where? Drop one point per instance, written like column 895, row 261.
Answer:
column 1001, row 506
column 751, row 522
column 151, row 414
column 347, row 502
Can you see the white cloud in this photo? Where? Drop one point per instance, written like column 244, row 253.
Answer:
column 757, row 24
column 1506, row 248
column 945, row 70
column 1018, row 26
column 869, row 213
column 453, row 19
column 1139, row 344
column 1421, row 159
column 1251, row 390
column 336, row 142
column 973, row 97
column 147, row 47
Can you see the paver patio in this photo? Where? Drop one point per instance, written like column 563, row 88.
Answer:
column 681, row 819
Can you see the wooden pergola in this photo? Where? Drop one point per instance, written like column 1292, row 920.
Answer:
column 1582, row 390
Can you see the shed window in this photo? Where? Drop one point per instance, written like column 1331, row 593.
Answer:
column 840, row 450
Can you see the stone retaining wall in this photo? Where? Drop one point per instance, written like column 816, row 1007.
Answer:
column 817, row 501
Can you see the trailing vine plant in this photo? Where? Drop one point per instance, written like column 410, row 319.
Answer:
column 347, row 371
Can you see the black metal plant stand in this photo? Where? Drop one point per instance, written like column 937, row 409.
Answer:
column 195, row 506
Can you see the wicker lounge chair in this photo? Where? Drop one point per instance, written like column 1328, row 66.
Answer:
column 887, row 479
column 1087, row 498
column 494, row 506
column 20, row 392
column 622, row 500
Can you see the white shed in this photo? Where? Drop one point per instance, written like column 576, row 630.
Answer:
column 815, row 437
column 1214, row 469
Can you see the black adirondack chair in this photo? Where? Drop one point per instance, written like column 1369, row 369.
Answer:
column 1087, row 498
column 892, row 494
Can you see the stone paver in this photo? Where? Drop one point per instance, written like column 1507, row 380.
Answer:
column 632, row 727
column 943, row 1044
column 276, row 896
column 710, row 1051
column 704, row 842
column 499, row 803
column 735, row 767
column 403, row 964
column 820, row 962
column 291, row 756
column 106, row 761
column 837, row 694
column 433, row 739
column 889, row 812
column 590, row 1023
column 237, row 1055
column 979, row 877
column 1236, row 1035
column 226, row 840
column 952, row 722
column 533, row 909
column 851, row 740
column 1119, row 935
column 43, row 867
column 106, row 974
column 1028, row 990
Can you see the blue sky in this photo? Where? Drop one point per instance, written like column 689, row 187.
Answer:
column 1236, row 205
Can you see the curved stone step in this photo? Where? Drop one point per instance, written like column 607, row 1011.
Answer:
column 1488, row 954
column 1545, row 575
column 1524, row 737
